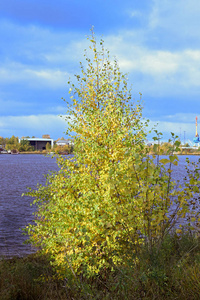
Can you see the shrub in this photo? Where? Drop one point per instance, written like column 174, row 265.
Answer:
column 111, row 198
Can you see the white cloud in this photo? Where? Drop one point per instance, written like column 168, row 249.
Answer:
column 72, row 51
column 35, row 77
column 183, row 117
column 181, row 124
column 163, row 72
column 48, row 77
column 149, row 62
column 180, row 17
column 44, row 60
column 155, row 69
column 32, row 125
column 176, row 127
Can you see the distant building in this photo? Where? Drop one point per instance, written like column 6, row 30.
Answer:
column 39, row 143
column 64, row 142
column 46, row 136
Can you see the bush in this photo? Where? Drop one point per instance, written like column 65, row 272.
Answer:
column 48, row 146
column 111, row 199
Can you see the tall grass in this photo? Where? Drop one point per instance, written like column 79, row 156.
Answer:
column 170, row 272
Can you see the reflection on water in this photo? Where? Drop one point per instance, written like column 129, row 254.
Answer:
column 19, row 172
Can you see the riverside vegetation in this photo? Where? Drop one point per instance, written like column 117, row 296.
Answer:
column 163, row 148
column 24, row 146
column 107, row 222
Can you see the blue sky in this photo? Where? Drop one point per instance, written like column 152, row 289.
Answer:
column 157, row 42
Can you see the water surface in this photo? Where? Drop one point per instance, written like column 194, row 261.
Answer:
column 17, row 173
column 26, row 170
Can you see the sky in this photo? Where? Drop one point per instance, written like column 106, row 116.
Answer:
column 157, row 42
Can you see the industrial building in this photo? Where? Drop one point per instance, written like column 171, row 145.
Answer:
column 39, row 143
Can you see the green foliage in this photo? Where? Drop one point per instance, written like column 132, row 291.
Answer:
column 2, row 141
column 173, row 272
column 111, row 198
column 48, row 146
column 25, row 146
column 63, row 149
column 28, row 278
column 186, row 145
column 12, row 143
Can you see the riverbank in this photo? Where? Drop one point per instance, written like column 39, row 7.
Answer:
column 178, row 153
column 171, row 272
column 44, row 152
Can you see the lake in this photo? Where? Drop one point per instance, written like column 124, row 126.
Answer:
column 17, row 173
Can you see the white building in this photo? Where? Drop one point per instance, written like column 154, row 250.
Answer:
column 39, row 143
column 64, row 142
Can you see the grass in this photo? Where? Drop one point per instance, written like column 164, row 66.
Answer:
column 172, row 272
column 27, row 278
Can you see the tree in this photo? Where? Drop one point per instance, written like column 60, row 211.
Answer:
column 48, row 146
column 25, row 146
column 111, row 197
column 12, row 143
column 2, row 141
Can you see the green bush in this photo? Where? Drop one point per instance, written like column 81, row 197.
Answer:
column 112, row 198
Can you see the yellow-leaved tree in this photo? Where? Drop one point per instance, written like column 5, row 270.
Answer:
column 111, row 197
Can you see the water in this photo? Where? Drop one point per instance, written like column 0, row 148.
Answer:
column 17, row 172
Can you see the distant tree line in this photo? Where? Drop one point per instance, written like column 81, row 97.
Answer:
column 163, row 148
column 14, row 144
column 24, row 145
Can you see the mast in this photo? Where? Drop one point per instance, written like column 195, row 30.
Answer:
column 196, row 128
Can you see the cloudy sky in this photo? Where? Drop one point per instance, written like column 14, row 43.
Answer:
column 157, row 42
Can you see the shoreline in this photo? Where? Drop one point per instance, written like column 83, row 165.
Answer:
column 65, row 153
